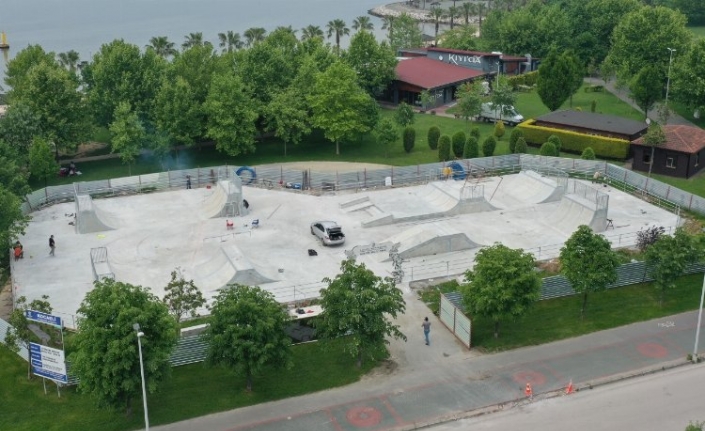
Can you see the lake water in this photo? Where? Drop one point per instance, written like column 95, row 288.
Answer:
column 84, row 25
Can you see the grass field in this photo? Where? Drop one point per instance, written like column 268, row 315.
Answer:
column 192, row 391
column 697, row 31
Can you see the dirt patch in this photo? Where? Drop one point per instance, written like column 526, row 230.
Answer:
column 387, row 367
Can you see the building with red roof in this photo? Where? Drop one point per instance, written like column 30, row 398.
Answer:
column 682, row 155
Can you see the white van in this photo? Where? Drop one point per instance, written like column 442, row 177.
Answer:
column 492, row 113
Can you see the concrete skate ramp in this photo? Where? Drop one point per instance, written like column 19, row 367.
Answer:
column 224, row 201
column 429, row 240
column 574, row 211
column 90, row 218
column 230, row 266
column 529, row 187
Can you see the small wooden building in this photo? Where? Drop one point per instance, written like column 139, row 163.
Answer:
column 590, row 123
column 682, row 155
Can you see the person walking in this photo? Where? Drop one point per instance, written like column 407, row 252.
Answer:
column 426, row 325
column 52, row 245
column 188, row 182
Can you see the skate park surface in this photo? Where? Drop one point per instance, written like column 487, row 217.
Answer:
column 150, row 235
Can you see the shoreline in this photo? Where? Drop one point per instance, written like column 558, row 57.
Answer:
column 420, row 15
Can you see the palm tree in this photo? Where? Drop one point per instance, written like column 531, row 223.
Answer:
column 193, row 39
column 480, row 11
column 69, row 60
column 311, row 32
column 468, row 10
column 161, row 46
column 437, row 14
column 338, row 28
column 452, row 13
column 254, row 35
column 362, row 23
column 388, row 24
column 230, row 41
column 286, row 29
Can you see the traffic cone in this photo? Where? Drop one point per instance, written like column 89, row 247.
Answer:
column 569, row 388
column 528, row 391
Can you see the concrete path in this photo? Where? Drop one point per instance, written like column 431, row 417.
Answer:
column 424, row 385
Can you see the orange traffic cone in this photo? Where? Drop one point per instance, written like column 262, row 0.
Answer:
column 569, row 388
column 528, row 391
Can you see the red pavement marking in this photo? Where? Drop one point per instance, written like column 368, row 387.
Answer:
column 533, row 377
column 333, row 420
column 392, row 411
column 364, row 417
column 652, row 350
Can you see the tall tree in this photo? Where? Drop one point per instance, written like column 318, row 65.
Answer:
column 470, row 100
column 374, row 63
column 246, row 331
column 69, row 60
column 462, row 38
column 230, row 41
column 503, row 284
column 12, row 221
column 406, row 33
column 362, row 23
column 555, row 81
column 21, row 335
column 162, row 46
column 14, row 175
column 311, row 32
column 193, row 39
column 388, row 24
column 287, row 116
column 688, row 76
column 468, row 9
column 357, row 304
column 105, row 356
column 339, row 105
column 42, row 163
column 588, row 262
column 654, row 137
column 231, row 116
column 19, row 67
column 254, row 35
column 645, row 88
column 452, row 13
column 668, row 258
column 127, row 134
column 437, row 14
column 338, row 29
column 503, row 96
column 178, row 112
column 182, row 296
column 18, row 128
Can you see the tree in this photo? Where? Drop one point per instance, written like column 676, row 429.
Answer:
column 230, row 41
column 556, row 141
column 254, row 35
column 19, row 67
column 452, row 13
column 475, row 132
column 688, row 76
column 458, row 143
column 362, row 23
column 468, row 9
column 695, row 426
column 178, row 112
column 503, row 284
column 654, row 137
column 488, row 146
column 521, row 147
column 358, row 305
column 13, row 176
column 470, row 100
column 105, row 358
column 193, row 39
column 588, row 154
column 426, row 100
column 69, row 60
column 499, row 129
column 162, row 46
column 338, row 28
column 548, row 149
column 41, row 160
column 231, row 116
column 588, row 263
column 668, row 257
column 648, row 236
column 127, row 134
column 288, row 117
column 374, row 62
column 20, row 335
column 471, row 149
column 444, row 148
column 409, row 138
column 312, row 32
column 246, row 331
column 555, row 80
column 18, row 128
column 646, row 88
column 340, row 107
column 405, row 34
column 12, row 221
column 404, row 114
column 437, row 14
column 462, row 38
column 386, row 134
column 503, row 97
column 513, row 137
column 434, row 133
column 182, row 297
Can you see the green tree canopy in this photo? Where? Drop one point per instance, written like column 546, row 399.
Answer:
column 357, row 306
column 405, row 33
column 668, row 258
column 19, row 67
column 470, row 100
column 404, row 114
column 246, row 331
column 646, row 88
column 18, row 128
column 182, row 296
column 21, row 335
column 41, row 160
column 373, row 62
column 128, row 134
column 386, row 134
column 105, row 359
column 554, row 84
column 502, row 285
column 287, row 116
column 688, row 76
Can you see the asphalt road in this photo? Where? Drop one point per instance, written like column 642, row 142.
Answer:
column 663, row 401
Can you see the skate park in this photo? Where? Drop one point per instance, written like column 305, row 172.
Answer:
column 207, row 233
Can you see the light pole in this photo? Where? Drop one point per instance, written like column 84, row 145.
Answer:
column 700, row 318
column 668, row 80
column 140, row 334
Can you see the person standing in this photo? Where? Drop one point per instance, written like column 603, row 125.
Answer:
column 188, row 182
column 426, row 325
column 52, row 245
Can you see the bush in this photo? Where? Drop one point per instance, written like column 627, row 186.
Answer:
column 648, row 236
column 475, row 133
column 409, row 138
column 588, row 154
column 444, row 148
column 488, row 146
column 556, row 141
column 593, row 106
column 526, row 79
column 458, row 144
column 521, row 147
column 499, row 129
column 548, row 149
column 472, row 149
column 516, row 134
column 433, row 112
column 573, row 142
column 433, row 134
column 404, row 114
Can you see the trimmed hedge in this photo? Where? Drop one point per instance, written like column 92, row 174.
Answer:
column 528, row 79
column 458, row 143
column 433, row 134
column 444, row 148
column 573, row 142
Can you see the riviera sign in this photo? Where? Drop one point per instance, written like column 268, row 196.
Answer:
column 468, row 59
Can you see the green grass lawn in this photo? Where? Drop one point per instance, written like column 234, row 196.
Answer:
column 192, row 391
column 557, row 319
column 697, row 31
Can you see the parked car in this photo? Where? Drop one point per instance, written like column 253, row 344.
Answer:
column 508, row 115
column 328, row 232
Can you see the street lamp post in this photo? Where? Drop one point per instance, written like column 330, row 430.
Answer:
column 668, row 80
column 140, row 334
column 700, row 318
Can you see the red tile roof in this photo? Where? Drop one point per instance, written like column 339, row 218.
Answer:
column 427, row 73
column 685, row 139
column 460, row 51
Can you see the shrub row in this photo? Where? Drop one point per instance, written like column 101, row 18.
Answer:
column 572, row 142
column 528, row 79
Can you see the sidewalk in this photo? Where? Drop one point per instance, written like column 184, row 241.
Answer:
column 444, row 381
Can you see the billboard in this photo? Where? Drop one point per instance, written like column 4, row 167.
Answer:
column 39, row 317
column 48, row 362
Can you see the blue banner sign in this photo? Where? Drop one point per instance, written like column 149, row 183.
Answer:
column 39, row 317
column 48, row 362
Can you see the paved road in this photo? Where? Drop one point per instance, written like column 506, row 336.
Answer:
column 658, row 402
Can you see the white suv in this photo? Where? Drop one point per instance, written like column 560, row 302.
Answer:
column 328, row 232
